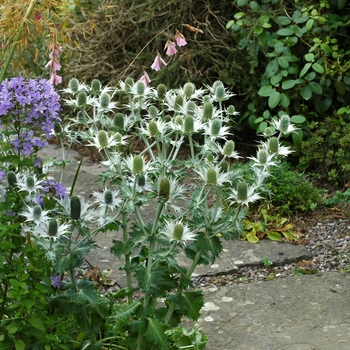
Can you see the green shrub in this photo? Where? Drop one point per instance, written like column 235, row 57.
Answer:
column 326, row 152
column 296, row 55
column 292, row 191
column 297, row 58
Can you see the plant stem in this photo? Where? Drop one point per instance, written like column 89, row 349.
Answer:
column 84, row 312
column 217, row 203
column 127, row 260
column 152, row 245
column 191, row 145
column 132, row 62
column 180, row 288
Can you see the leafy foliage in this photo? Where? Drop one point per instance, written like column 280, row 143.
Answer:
column 291, row 191
column 338, row 197
column 273, row 227
column 297, row 54
column 325, row 152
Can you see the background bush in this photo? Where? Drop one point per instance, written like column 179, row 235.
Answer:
column 290, row 57
column 120, row 31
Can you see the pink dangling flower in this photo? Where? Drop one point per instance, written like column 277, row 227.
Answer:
column 158, row 62
column 145, row 79
column 53, row 64
column 55, row 79
column 170, row 48
column 180, row 39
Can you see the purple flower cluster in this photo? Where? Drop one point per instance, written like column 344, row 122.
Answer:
column 2, row 175
column 32, row 102
column 27, row 143
column 53, row 188
column 56, row 281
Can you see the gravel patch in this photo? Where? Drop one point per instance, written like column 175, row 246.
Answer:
column 328, row 238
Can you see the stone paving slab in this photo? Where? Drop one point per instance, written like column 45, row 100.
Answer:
column 293, row 313
column 238, row 253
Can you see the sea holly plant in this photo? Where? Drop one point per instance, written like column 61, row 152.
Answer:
column 183, row 171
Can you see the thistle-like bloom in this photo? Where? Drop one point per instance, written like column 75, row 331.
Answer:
column 229, row 150
column 104, row 103
column 212, row 175
column 231, row 110
column 142, row 183
column 178, row 232
column 82, row 100
column 108, row 199
column 52, row 229
column 29, row 183
column 219, row 92
column 103, row 140
column 74, row 86
column 283, row 125
column 85, row 213
column 154, row 127
column 263, row 158
column 180, row 39
column 172, row 194
column 136, row 164
column 244, row 194
column 36, row 215
column 272, row 145
column 145, row 79
column 158, row 62
column 215, row 130
column 170, row 48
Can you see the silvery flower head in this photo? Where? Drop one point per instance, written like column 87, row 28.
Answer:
column 272, row 145
column 213, row 175
column 263, row 158
column 215, row 130
column 36, row 215
column 52, row 229
column 178, row 232
column 108, row 199
column 218, row 92
column 74, row 86
column 103, row 140
column 229, row 150
column 104, row 103
column 141, row 183
column 76, row 209
column 136, row 164
column 154, row 127
column 170, row 192
column 284, row 125
column 29, row 183
column 244, row 194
